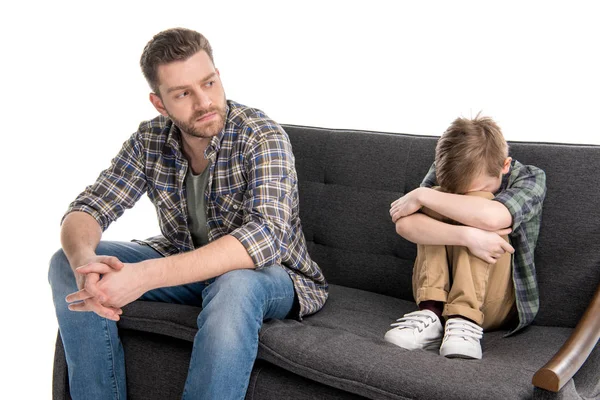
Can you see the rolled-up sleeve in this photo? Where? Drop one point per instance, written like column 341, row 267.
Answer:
column 269, row 201
column 116, row 189
column 525, row 196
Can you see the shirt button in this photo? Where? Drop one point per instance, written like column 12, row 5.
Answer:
column 180, row 172
column 235, row 207
column 159, row 203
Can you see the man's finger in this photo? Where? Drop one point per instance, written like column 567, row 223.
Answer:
column 95, row 267
column 91, row 305
column 111, row 261
column 91, row 286
column 78, row 296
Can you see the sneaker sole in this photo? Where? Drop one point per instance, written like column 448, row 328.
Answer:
column 463, row 356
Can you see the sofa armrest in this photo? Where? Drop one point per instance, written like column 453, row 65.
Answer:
column 571, row 356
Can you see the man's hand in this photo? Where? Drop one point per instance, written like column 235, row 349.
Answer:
column 115, row 289
column 405, row 205
column 90, row 295
column 489, row 246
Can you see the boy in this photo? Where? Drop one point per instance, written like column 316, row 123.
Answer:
column 475, row 234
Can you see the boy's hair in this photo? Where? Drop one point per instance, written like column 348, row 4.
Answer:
column 468, row 148
column 177, row 44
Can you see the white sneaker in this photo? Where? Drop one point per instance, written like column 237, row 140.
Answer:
column 416, row 330
column 461, row 339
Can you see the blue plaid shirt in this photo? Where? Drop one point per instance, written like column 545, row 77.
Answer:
column 252, row 194
column 522, row 191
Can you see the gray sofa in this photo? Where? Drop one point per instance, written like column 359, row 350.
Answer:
column 347, row 180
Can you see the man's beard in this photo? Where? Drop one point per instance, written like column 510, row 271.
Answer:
column 208, row 131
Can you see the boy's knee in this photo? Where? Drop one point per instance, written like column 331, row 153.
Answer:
column 485, row 195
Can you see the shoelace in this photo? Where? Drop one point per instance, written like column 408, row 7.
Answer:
column 462, row 328
column 414, row 320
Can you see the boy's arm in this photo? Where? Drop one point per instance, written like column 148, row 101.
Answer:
column 525, row 196
column 422, row 229
column 473, row 211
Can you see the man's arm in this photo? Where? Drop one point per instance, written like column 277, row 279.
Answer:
column 116, row 189
column 120, row 288
column 80, row 234
column 422, row 229
column 259, row 242
column 472, row 211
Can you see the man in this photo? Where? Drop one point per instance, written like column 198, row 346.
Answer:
column 223, row 181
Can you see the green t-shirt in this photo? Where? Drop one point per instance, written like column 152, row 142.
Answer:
column 195, row 189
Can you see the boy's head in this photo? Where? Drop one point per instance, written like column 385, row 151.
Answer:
column 471, row 155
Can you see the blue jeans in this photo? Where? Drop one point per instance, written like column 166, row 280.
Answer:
column 234, row 306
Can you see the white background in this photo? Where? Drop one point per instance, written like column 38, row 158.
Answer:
column 72, row 93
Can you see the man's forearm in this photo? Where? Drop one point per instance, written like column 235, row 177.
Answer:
column 473, row 211
column 216, row 258
column 80, row 234
column 422, row 229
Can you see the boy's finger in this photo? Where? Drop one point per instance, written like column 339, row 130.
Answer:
column 506, row 246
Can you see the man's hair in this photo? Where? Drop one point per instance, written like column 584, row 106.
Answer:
column 468, row 148
column 177, row 44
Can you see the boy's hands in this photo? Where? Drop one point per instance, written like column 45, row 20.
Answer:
column 406, row 205
column 489, row 246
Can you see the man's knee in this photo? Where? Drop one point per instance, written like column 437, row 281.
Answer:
column 58, row 263
column 238, row 284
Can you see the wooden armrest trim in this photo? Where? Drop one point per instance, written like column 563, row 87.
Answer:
column 571, row 356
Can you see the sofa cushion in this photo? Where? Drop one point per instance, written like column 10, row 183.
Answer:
column 269, row 382
column 342, row 346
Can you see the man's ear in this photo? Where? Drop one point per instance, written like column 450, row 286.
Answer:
column 158, row 104
column 506, row 166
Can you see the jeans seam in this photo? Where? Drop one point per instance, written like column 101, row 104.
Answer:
column 114, row 382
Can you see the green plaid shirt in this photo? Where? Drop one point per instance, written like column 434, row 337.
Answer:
column 252, row 194
column 522, row 191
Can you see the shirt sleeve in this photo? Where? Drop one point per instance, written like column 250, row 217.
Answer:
column 116, row 189
column 269, row 201
column 525, row 194
column 430, row 179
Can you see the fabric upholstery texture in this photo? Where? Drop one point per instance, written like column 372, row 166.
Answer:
column 347, row 180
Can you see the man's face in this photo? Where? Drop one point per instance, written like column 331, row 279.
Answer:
column 192, row 95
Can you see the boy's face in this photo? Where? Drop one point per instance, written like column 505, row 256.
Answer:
column 486, row 183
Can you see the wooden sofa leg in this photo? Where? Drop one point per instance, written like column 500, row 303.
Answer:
column 571, row 356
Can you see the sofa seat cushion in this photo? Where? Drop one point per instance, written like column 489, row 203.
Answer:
column 342, row 346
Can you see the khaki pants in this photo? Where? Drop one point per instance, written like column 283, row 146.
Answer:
column 469, row 286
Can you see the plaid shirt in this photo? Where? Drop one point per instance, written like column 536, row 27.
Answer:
column 252, row 194
column 522, row 191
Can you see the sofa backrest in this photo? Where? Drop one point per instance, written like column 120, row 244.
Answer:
column 348, row 179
